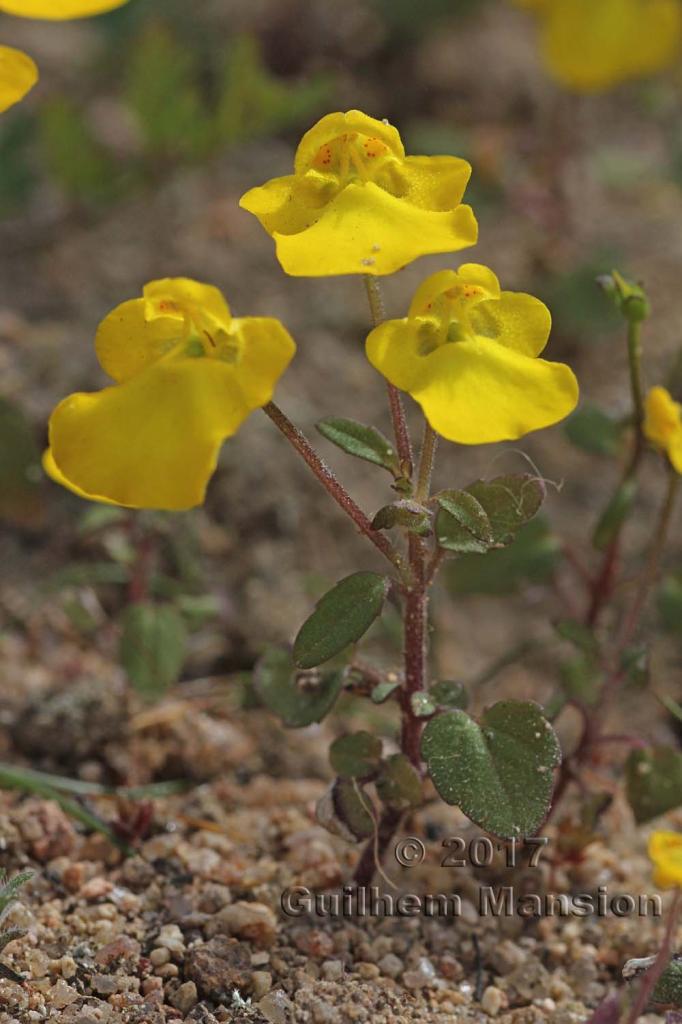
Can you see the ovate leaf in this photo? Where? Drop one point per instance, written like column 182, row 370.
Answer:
column 356, row 756
column 364, row 442
column 509, row 502
column 499, row 772
column 298, row 698
column 462, row 524
column 398, row 784
column 653, row 782
column 341, row 617
column 152, row 647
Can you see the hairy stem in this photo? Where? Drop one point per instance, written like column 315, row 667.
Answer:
column 426, row 460
column 302, row 445
column 395, row 401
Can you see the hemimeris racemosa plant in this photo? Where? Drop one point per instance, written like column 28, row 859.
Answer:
column 187, row 373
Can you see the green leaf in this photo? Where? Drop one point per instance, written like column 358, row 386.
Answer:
column 421, row 704
column 462, row 523
column 581, row 677
column 9, row 889
column 448, row 693
column 653, row 780
column 509, row 502
column 363, row 442
column 341, row 617
column 356, row 756
column 152, row 647
column 499, row 772
column 614, row 515
column 344, row 810
column 594, row 431
column 581, row 636
column 530, row 558
column 297, row 698
column 382, row 691
column 409, row 514
column 398, row 783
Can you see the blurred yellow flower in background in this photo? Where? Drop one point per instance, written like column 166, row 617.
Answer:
column 665, row 850
column 467, row 353
column 356, row 204
column 591, row 45
column 663, row 424
column 187, row 375
column 18, row 72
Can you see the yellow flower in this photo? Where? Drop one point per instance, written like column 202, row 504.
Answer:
column 356, row 204
column 18, row 74
column 663, row 424
column 58, row 10
column 590, row 45
column 187, row 375
column 665, row 850
column 467, row 353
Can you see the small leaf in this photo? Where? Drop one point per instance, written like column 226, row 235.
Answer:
column 152, row 647
column 356, row 756
column 398, row 784
column 9, row 889
column 421, row 704
column 297, row 698
column 448, row 693
column 344, row 810
column 341, row 617
column 462, row 523
column 614, row 515
column 382, row 691
column 594, row 431
column 409, row 514
column 581, row 678
column 499, row 772
column 509, row 502
column 578, row 634
column 364, row 442
column 653, row 782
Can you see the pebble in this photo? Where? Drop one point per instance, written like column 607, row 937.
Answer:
column 172, row 938
column 252, row 921
column 422, row 976
column 160, row 956
column 261, row 983
column 391, row 965
column 219, row 965
column 186, row 998
column 493, row 1001
column 276, row 1007
column 367, row 971
column 333, row 970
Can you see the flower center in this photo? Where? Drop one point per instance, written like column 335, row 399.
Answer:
column 354, row 158
column 446, row 319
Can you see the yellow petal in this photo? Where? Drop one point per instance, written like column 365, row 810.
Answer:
column 153, row 441
column 334, row 125
column 174, row 296
column 52, row 470
column 474, row 392
column 18, row 74
column 591, row 46
column 663, row 424
column 58, row 10
column 367, row 231
column 127, row 343
column 665, row 850
column 516, row 320
column 434, row 182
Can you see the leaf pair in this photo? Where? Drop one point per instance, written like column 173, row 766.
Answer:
column 487, row 514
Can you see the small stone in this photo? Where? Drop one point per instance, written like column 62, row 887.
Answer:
column 62, row 995
column 260, row 959
column 261, row 983
column 493, row 1001
column 167, row 971
column 252, row 921
column 186, row 998
column 218, row 966
column 423, row 976
column 160, row 956
column 276, row 1007
column 367, row 971
column 314, row 942
column 122, row 947
column 104, row 985
column 333, row 970
column 391, row 965
column 172, row 938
